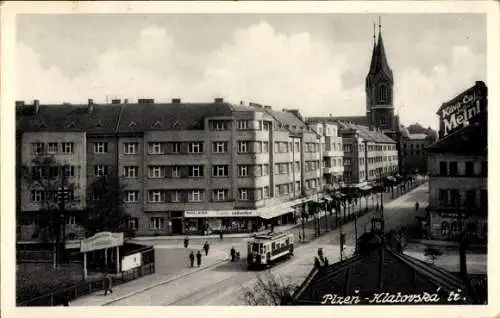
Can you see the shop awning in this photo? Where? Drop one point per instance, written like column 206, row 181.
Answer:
column 274, row 211
column 365, row 188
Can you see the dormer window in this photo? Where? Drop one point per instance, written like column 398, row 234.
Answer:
column 157, row 124
column 132, row 124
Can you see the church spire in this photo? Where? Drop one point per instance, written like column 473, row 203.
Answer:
column 379, row 62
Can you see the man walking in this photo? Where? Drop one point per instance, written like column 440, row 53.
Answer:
column 198, row 258
column 108, row 282
column 191, row 258
column 206, row 247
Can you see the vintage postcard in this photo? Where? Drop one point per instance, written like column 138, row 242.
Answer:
column 332, row 155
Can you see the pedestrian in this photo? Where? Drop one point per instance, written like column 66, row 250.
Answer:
column 417, row 206
column 198, row 258
column 186, row 242
column 66, row 302
column 300, row 237
column 191, row 258
column 108, row 282
column 233, row 254
column 220, row 235
column 206, row 247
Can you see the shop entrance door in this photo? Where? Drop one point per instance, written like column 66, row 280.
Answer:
column 176, row 226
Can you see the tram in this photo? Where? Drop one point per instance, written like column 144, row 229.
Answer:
column 265, row 250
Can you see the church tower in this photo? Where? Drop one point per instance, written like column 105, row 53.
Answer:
column 379, row 89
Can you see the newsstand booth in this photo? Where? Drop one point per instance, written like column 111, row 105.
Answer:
column 104, row 242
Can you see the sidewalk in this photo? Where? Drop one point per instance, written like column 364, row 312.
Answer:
column 162, row 275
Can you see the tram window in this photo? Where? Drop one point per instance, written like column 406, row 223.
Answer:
column 255, row 247
column 287, row 242
column 261, row 248
column 273, row 246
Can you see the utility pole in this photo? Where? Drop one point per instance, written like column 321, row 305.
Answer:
column 462, row 246
column 61, row 229
column 381, row 196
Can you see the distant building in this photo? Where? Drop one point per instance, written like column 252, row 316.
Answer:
column 186, row 167
column 458, row 168
column 414, row 140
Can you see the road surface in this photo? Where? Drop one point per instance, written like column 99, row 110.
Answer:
column 225, row 285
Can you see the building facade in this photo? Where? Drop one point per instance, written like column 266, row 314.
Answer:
column 458, row 168
column 414, row 140
column 333, row 152
column 186, row 167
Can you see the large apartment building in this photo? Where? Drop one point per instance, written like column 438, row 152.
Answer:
column 186, row 167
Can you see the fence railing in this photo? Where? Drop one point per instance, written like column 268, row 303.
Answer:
column 34, row 256
column 80, row 289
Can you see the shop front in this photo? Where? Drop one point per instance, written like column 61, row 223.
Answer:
column 206, row 222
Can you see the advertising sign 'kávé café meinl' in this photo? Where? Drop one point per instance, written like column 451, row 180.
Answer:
column 461, row 110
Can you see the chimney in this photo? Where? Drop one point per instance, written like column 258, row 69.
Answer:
column 219, row 100
column 19, row 103
column 145, row 101
column 176, row 100
column 330, row 115
column 125, row 101
column 36, row 103
column 90, row 105
column 116, row 101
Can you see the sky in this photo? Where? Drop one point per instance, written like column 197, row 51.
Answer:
column 316, row 63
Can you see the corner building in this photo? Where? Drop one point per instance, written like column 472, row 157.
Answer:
column 195, row 167
column 458, row 168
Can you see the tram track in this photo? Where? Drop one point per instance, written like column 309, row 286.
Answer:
column 241, row 278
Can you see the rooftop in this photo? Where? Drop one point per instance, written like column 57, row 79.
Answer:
column 382, row 269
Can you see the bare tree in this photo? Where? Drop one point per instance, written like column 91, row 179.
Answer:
column 107, row 211
column 269, row 290
column 45, row 178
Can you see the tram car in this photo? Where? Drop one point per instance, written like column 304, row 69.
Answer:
column 265, row 250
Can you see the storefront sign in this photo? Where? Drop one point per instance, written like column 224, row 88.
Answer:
column 131, row 261
column 101, row 241
column 220, row 213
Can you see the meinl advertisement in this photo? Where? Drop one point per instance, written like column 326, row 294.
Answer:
column 461, row 111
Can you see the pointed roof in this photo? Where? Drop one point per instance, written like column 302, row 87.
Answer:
column 379, row 62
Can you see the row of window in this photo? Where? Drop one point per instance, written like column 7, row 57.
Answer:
column 50, row 196
column 453, row 230
column 198, row 195
column 332, row 162
column 52, row 172
column 39, row 148
column 451, row 169
column 243, row 124
column 450, row 198
column 414, row 153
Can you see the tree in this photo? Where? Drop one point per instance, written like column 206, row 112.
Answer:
column 432, row 253
column 269, row 290
column 106, row 210
column 45, row 177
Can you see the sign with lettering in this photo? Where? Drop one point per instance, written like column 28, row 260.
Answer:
column 458, row 113
column 131, row 261
column 219, row 213
column 101, row 241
